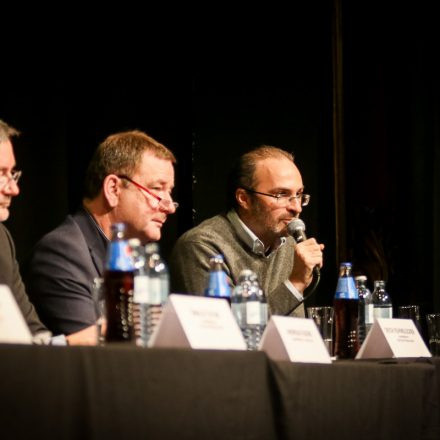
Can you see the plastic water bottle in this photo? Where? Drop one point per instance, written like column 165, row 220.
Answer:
column 151, row 290
column 118, row 288
column 346, row 304
column 365, row 307
column 382, row 305
column 218, row 286
column 249, row 307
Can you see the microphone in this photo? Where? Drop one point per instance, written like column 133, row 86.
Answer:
column 296, row 229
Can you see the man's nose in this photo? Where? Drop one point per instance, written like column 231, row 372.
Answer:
column 11, row 188
column 295, row 205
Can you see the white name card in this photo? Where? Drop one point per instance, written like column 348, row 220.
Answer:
column 393, row 338
column 13, row 327
column 294, row 339
column 197, row 322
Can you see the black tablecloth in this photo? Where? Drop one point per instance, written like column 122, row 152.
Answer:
column 358, row 399
column 126, row 392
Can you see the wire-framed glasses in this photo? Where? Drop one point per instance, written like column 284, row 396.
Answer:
column 7, row 178
column 284, row 200
column 161, row 202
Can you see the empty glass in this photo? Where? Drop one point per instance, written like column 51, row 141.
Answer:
column 323, row 317
column 433, row 321
column 411, row 312
column 98, row 298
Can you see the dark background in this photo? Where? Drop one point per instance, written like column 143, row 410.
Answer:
column 212, row 91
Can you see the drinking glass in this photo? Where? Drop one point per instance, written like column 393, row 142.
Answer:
column 411, row 312
column 433, row 321
column 98, row 298
column 323, row 317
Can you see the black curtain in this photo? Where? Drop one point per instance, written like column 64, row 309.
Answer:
column 392, row 121
column 240, row 81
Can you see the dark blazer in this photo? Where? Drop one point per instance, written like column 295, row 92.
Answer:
column 10, row 275
column 61, row 270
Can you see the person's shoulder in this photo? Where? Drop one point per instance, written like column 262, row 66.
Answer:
column 4, row 230
column 212, row 228
column 5, row 235
column 67, row 233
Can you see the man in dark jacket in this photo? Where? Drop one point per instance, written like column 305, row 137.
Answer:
column 130, row 179
column 9, row 270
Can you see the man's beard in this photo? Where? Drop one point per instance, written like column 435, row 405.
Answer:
column 273, row 228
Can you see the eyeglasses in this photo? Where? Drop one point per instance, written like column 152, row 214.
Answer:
column 161, row 203
column 6, row 179
column 282, row 200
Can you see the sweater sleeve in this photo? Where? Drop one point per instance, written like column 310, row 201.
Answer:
column 189, row 266
column 281, row 300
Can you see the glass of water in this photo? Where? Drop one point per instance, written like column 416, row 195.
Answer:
column 98, row 298
column 433, row 321
column 323, row 317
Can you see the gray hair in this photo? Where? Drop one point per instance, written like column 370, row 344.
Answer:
column 6, row 131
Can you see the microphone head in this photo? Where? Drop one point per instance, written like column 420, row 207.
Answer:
column 296, row 228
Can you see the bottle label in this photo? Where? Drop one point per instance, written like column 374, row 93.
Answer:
column 369, row 314
column 140, row 294
column 148, row 290
column 218, row 285
column 383, row 312
column 120, row 257
column 154, row 291
column 253, row 313
column 346, row 289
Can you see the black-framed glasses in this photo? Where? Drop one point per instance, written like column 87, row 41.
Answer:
column 7, row 178
column 161, row 203
column 284, row 200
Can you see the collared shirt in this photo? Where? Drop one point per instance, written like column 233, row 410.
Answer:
column 257, row 246
column 101, row 232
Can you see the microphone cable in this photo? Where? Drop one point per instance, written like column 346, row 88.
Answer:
column 308, row 292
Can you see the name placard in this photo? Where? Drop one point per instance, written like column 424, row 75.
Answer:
column 13, row 327
column 294, row 339
column 393, row 338
column 197, row 322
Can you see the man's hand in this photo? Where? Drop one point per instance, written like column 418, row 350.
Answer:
column 308, row 254
column 87, row 336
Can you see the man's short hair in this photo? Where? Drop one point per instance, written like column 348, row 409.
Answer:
column 242, row 173
column 6, row 131
column 121, row 153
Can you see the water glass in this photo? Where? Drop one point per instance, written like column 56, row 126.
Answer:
column 99, row 300
column 433, row 321
column 411, row 312
column 323, row 317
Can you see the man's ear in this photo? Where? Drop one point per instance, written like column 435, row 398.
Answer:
column 111, row 190
column 242, row 197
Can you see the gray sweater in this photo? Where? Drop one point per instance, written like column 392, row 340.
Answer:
column 189, row 262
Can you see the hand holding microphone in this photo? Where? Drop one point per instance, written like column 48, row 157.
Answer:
column 308, row 259
column 308, row 255
column 296, row 228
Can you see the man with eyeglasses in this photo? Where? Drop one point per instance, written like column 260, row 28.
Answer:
column 9, row 269
column 129, row 179
column 265, row 192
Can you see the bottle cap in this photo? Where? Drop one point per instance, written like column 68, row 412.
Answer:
column 151, row 248
column 218, row 257
column 134, row 242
